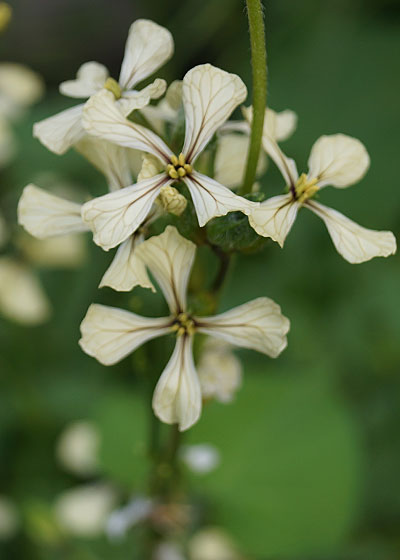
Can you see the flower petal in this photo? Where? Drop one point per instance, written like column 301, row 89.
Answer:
column 62, row 131
column 110, row 159
column 90, row 78
column 338, row 160
column 22, row 298
column 109, row 334
column 20, row 85
column 275, row 217
column 271, row 131
column 44, row 215
column 169, row 257
column 177, row 396
column 103, row 118
column 211, row 199
column 355, row 243
column 210, row 95
column 115, row 216
column 231, row 157
column 147, row 48
column 285, row 124
column 258, row 324
column 133, row 100
column 126, row 270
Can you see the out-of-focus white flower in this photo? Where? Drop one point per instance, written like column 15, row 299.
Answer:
column 9, row 519
column 169, row 551
column 21, row 296
column 68, row 251
column 336, row 160
column 201, row 458
column 232, row 149
column 77, row 448
column 147, row 48
column 83, row 511
column 109, row 334
column 123, row 519
column 220, row 371
column 20, row 87
column 212, row 543
column 209, row 97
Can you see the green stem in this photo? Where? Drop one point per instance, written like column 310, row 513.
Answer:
column 259, row 68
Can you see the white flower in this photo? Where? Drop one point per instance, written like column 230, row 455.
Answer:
column 67, row 251
column 147, row 48
column 209, row 97
column 336, row 160
column 46, row 215
column 83, row 510
column 20, row 87
column 220, row 371
column 201, row 458
column 109, row 334
column 77, row 448
column 121, row 520
column 21, row 296
column 232, row 149
column 212, row 543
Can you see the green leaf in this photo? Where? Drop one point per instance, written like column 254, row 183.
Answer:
column 234, row 233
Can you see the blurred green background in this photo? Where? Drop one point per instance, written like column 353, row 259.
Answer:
column 310, row 448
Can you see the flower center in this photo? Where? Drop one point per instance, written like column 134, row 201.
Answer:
column 183, row 324
column 305, row 188
column 113, row 86
column 178, row 167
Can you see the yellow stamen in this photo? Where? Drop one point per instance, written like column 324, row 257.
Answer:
column 113, row 86
column 178, row 168
column 181, row 331
column 305, row 188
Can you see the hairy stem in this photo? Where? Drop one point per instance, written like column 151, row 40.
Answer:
column 259, row 69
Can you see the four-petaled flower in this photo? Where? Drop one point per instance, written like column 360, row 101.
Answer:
column 109, row 334
column 209, row 97
column 336, row 160
column 147, row 48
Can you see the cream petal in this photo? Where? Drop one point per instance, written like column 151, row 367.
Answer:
column 177, row 396
column 275, row 217
column 285, row 124
column 210, row 95
column 133, row 100
column 169, row 257
column 126, row 270
column 109, row 334
column 147, row 48
column 211, row 199
column 231, row 158
column 110, row 159
column 271, row 131
column 338, row 160
column 258, row 325
column 103, row 118
column 115, row 216
column 90, row 78
column 355, row 243
column 44, row 215
column 22, row 298
column 62, row 131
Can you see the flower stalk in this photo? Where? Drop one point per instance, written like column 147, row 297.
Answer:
column 259, row 69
